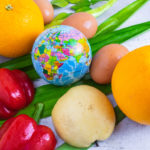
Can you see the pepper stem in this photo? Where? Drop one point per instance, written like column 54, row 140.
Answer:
column 100, row 10
column 38, row 111
column 9, row 7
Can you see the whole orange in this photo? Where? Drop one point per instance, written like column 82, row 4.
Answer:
column 21, row 22
column 131, row 85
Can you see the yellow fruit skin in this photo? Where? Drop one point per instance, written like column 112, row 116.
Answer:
column 83, row 115
column 131, row 85
column 19, row 27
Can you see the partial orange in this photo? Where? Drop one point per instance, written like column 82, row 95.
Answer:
column 21, row 22
column 131, row 85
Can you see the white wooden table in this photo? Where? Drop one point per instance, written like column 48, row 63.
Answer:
column 128, row 135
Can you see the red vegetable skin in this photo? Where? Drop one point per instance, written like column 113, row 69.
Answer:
column 5, row 112
column 22, row 133
column 16, row 92
column 26, row 84
column 44, row 139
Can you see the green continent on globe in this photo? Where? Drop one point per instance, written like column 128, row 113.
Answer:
column 52, row 58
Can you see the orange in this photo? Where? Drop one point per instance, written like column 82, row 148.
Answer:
column 20, row 23
column 131, row 85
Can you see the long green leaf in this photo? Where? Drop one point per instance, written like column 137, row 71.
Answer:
column 74, row 1
column 119, row 115
column 60, row 3
column 17, row 63
column 117, row 19
column 118, row 37
column 84, row 4
column 100, row 10
column 66, row 146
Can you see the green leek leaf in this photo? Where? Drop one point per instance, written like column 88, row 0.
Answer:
column 60, row 3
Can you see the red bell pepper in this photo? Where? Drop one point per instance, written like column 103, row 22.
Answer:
column 16, row 92
column 23, row 133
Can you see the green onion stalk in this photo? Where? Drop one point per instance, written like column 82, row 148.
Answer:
column 39, row 107
column 100, row 10
column 117, row 19
column 84, row 5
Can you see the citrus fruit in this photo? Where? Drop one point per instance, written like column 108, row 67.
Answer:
column 131, row 85
column 21, row 22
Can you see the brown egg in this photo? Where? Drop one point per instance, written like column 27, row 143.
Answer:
column 105, row 61
column 46, row 9
column 84, row 22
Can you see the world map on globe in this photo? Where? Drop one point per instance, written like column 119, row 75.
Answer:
column 61, row 55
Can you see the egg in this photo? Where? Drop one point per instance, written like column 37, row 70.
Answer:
column 46, row 9
column 61, row 55
column 105, row 61
column 84, row 22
